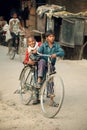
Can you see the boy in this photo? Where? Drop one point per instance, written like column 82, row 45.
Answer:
column 49, row 47
column 15, row 27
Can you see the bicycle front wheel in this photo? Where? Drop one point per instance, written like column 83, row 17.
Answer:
column 52, row 95
column 26, row 83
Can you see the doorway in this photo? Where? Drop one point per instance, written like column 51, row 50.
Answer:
column 6, row 6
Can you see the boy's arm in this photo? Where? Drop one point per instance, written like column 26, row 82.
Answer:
column 59, row 50
column 40, row 49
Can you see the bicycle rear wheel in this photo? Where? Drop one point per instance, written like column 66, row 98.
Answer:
column 11, row 53
column 26, row 83
column 52, row 95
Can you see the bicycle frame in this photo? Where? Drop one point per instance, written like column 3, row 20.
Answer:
column 48, row 62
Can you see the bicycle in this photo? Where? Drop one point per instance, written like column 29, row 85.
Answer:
column 19, row 48
column 51, row 92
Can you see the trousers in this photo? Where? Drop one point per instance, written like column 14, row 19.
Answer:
column 41, row 67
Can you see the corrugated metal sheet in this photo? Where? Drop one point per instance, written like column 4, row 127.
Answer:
column 72, row 31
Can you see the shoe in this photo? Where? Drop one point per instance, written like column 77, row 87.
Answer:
column 35, row 102
column 53, row 104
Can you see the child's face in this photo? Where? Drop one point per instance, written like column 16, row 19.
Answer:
column 31, row 42
column 14, row 15
column 50, row 38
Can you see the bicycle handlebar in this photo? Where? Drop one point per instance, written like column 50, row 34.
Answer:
column 43, row 54
column 47, row 55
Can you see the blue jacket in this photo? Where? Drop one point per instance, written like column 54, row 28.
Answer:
column 56, row 49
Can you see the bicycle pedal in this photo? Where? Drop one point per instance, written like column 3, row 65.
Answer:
column 38, row 87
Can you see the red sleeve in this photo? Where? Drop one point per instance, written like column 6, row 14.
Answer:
column 39, row 43
column 26, row 57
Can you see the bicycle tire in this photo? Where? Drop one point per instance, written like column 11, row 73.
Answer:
column 9, row 45
column 51, row 110
column 12, row 53
column 26, row 83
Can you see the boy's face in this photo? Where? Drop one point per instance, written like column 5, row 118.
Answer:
column 31, row 42
column 50, row 38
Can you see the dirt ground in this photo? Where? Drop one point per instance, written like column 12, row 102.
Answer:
column 16, row 116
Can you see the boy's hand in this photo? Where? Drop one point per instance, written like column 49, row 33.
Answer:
column 53, row 56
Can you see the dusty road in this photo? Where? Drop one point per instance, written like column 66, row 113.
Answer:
column 15, row 116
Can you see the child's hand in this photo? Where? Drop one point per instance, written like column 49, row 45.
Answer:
column 53, row 56
column 34, row 51
column 30, row 62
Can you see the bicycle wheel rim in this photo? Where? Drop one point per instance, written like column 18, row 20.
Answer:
column 26, row 86
column 56, row 98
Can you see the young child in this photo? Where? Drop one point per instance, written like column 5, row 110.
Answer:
column 14, row 24
column 32, row 48
column 15, row 27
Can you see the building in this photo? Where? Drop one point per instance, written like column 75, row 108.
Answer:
column 72, row 6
